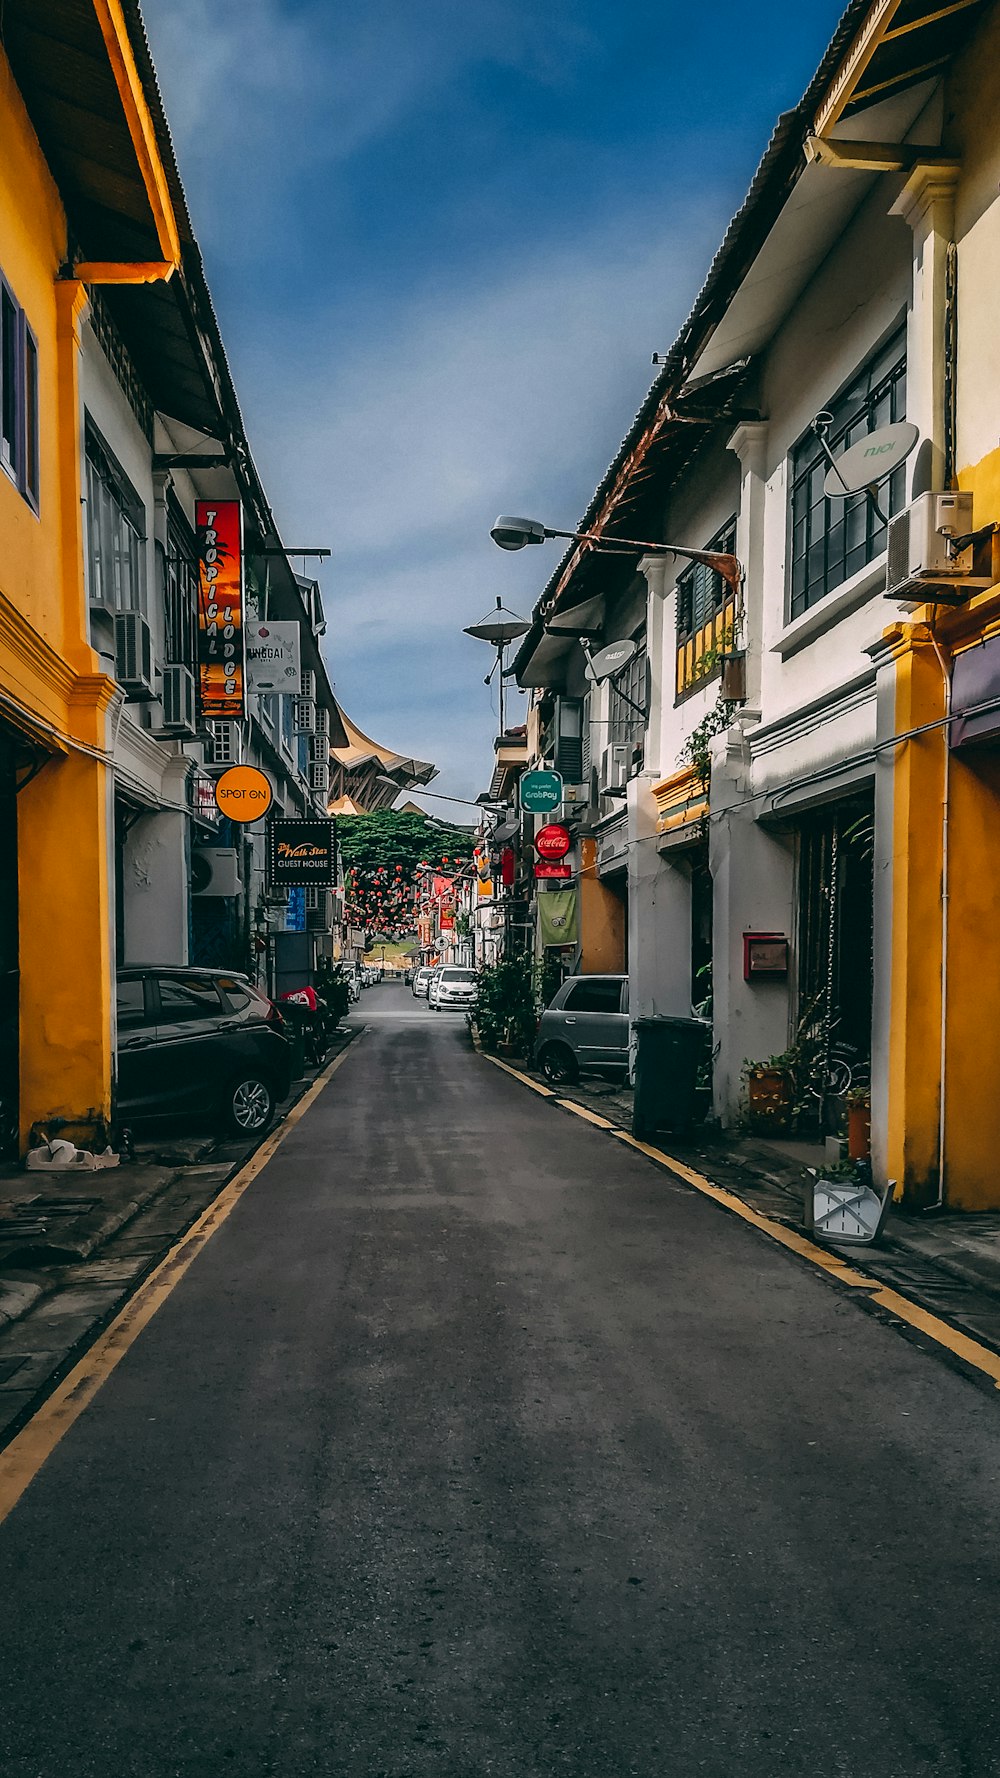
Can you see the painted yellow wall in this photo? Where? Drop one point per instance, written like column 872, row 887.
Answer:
column 49, row 670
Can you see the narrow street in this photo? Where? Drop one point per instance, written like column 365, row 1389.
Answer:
column 473, row 1443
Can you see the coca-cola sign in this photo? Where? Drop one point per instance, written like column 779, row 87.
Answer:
column 552, row 842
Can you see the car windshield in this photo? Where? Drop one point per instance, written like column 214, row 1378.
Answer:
column 458, row 975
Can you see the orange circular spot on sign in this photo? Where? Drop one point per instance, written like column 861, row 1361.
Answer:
column 244, row 793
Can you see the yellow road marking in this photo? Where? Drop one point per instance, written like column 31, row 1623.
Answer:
column 980, row 1357
column 25, row 1455
column 600, row 1123
column 525, row 1079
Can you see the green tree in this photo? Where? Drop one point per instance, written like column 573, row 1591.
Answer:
column 383, row 855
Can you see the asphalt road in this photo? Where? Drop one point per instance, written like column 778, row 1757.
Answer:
column 473, row 1444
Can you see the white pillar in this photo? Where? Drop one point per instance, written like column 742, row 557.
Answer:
column 927, row 203
column 749, row 444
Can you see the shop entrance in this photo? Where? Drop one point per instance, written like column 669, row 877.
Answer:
column 835, row 948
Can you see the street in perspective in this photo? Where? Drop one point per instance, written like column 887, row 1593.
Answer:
column 499, row 1203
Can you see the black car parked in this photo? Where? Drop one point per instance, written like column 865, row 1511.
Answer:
column 200, row 1042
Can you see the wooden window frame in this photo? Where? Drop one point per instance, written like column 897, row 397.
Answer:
column 20, row 463
column 705, row 619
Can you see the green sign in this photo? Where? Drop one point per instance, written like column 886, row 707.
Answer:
column 540, row 792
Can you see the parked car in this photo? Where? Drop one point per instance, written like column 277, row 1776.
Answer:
column 352, row 975
column 421, row 981
column 585, row 1027
column 451, row 986
column 204, row 1043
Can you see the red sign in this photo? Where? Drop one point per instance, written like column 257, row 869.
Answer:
column 221, row 634
column 552, row 842
column 508, row 867
column 553, row 870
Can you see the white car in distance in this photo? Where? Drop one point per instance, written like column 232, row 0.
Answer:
column 451, row 986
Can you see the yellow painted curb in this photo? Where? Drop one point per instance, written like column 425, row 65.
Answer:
column 961, row 1345
column 25, row 1455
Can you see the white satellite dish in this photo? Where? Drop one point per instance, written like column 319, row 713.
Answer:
column 610, row 660
column 870, row 460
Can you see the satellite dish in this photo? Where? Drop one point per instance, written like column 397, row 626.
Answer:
column 499, row 627
column 610, row 660
column 870, row 460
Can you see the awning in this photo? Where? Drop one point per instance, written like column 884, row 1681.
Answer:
column 975, row 695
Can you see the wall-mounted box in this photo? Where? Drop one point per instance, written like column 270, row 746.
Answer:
column 765, row 956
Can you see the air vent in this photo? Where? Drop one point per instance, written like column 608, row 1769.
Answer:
column 307, row 683
column 319, row 777
column 222, row 744
column 304, row 716
column 323, row 722
column 134, row 654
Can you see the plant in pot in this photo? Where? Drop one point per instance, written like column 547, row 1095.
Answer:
column 771, row 1092
column 859, row 1123
column 506, row 1015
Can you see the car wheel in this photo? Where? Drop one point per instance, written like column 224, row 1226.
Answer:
column 559, row 1064
column 249, row 1105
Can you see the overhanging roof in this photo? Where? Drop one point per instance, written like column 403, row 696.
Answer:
column 879, row 61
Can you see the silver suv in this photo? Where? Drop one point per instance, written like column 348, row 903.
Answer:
column 586, row 1026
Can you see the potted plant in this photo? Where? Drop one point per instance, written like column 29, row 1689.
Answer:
column 771, row 1091
column 859, row 1123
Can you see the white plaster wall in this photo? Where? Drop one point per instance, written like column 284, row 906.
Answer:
column 973, row 104
column 103, row 399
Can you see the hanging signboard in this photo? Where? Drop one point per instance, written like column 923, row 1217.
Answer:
column 273, row 659
column 553, row 870
column 552, row 842
column 244, row 793
column 540, row 791
column 301, row 854
column 221, row 633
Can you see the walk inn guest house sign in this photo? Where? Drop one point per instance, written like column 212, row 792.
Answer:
column 301, row 854
column 221, row 631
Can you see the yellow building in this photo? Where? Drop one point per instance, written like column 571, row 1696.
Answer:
column 59, row 235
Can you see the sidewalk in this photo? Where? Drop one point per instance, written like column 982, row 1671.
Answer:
column 947, row 1261
column 75, row 1246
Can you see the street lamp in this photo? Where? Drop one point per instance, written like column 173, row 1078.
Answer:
column 513, row 533
column 499, row 628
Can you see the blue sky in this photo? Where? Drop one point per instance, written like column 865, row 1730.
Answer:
column 444, row 238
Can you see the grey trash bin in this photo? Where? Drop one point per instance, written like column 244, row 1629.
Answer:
column 669, row 1052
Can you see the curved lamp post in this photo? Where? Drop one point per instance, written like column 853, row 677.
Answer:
column 514, row 533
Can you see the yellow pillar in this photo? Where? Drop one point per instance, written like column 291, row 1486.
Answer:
column 602, row 919
column 65, row 942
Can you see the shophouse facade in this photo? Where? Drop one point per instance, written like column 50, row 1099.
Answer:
column 802, row 793
column 119, row 414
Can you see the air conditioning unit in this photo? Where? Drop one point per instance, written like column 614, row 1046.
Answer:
column 323, row 722
column 215, row 870
column 134, row 654
column 178, row 699
column 319, row 777
column 307, row 683
column 319, row 915
column 918, row 559
column 304, row 716
column 221, row 741
column 616, row 765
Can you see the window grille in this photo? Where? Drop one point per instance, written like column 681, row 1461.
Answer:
column 833, row 539
column 116, row 532
column 706, row 617
column 625, row 724
column 181, row 592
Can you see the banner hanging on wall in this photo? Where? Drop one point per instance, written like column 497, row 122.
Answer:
column 221, row 631
column 557, row 917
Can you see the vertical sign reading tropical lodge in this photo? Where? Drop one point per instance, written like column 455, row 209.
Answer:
column 221, row 633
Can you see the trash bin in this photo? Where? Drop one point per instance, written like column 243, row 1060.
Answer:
column 669, row 1052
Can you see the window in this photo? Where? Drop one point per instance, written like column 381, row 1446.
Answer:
column 706, row 617
column 597, row 994
column 237, row 993
column 833, row 539
column 18, row 396
column 130, row 1004
column 569, row 740
column 625, row 724
column 196, row 997
column 181, row 592
column 116, row 531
